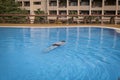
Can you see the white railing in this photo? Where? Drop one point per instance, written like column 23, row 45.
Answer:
column 84, row 7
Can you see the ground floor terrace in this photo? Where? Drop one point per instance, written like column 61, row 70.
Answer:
column 59, row 19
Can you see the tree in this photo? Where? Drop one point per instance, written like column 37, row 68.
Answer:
column 10, row 7
column 39, row 19
column 39, row 11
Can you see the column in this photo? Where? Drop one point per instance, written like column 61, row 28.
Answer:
column 103, row 4
column 46, row 10
column 67, row 9
column 57, row 18
column 117, row 7
column 22, row 4
column 31, row 12
column 90, row 7
column 57, row 7
column 47, row 6
column 31, row 8
column 116, row 11
column 78, row 6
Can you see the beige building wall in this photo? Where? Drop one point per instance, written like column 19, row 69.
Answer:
column 66, row 7
column 33, row 5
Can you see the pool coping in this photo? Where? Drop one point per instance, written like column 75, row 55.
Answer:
column 116, row 27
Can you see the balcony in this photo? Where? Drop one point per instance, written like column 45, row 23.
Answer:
column 97, row 8
column 84, row 12
column 84, row 7
column 96, row 12
column 72, row 7
column 53, row 3
column 73, row 2
column 96, row 4
column 52, row 8
column 109, row 12
column 37, row 3
column 110, row 2
column 52, row 18
column 26, row 3
column 52, row 12
column 62, row 12
column 110, row 7
column 62, row 4
column 84, row 2
column 73, row 12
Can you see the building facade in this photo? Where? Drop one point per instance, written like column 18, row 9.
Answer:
column 67, row 7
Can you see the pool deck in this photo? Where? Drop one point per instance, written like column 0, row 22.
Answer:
column 58, row 25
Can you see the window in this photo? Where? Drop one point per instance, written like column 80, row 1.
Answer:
column 53, row 12
column 26, row 3
column 53, row 3
column 84, row 2
column 37, row 3
column 97, row 3
column 73, row 2
column 110, row 2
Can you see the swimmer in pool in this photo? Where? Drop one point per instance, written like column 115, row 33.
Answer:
column 59, row 43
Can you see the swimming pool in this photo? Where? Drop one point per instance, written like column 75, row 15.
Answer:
column 88, row 54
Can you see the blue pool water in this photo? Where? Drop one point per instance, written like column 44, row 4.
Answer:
column 88, row 54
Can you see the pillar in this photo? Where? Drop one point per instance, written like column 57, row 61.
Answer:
column 103, row 5
column 31, row 12
column 117, row 4
column 90, row 7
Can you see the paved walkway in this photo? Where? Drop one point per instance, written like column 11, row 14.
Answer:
column 57, row 25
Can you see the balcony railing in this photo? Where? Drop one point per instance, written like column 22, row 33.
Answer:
column 110, row 7
column 85, row 7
